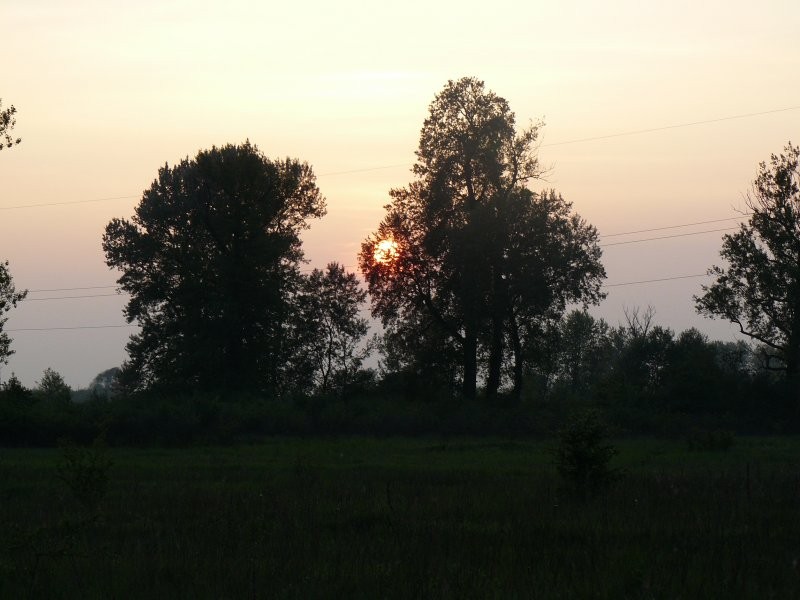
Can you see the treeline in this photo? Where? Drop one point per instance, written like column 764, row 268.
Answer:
column 475, row 279
column 646, row 379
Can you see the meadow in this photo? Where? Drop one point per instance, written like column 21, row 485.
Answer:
column 359, row 517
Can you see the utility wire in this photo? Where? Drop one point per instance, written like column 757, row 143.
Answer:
column 310, row 269
column 71, row 328
column 397, row 165
column 675, row 126
column 72, row 289
column 609, row 285
column 67, row 202
column 665, row 237
column 643, row 281
column 70, row 297
column 608, row 235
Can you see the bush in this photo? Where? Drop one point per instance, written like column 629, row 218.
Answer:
column 84, row 470
column 710, row 441
column 583, row 455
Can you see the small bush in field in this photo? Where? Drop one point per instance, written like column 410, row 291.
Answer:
column 710, row 441
column 84, row 470
column 583, row 455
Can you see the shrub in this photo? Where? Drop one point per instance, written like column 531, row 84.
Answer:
column 84, row 470
column 583, row 455
column 710, row 441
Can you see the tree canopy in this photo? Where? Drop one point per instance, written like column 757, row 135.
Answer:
column 7, row 123
column 332, row 331
column 474, row 252
column 759, row 289
column 9, row 297
column 211, row 261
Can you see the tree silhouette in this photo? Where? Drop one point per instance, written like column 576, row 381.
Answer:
column 7, row 123
column 9, row 297
column 53, row 387
column 211, row 261
column 759, row 291
column 477, row 253
column 332, row 330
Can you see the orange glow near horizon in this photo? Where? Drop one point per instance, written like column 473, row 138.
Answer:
column 386, row 251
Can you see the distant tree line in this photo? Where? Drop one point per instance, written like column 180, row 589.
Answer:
column 482, row 287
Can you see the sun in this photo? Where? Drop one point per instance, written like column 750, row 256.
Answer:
column 386, row 251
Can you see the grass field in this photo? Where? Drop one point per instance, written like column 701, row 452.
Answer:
column 403, row 518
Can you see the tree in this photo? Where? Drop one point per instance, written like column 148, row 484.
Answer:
column 13, row 390
column 211, row 261
column 328, row 312
column 53, row 387
column 7, row 123
column 642, row 351
column 583, row 351
column 104, row 383
column 9, row 297
column 759, row 291
column 551, row 259
column 474, row 250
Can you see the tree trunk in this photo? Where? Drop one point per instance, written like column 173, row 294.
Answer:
column 470, row 383
column 793, row 370
column 498, row 322
column 495, row 359
column 516, row 346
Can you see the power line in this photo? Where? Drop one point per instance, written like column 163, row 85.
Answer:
column 601, row 137
column 675, row 126
column 665, row 237
column 71, row 328
column 310, row 269
column 72, row 289
column 70, row 297
column 608, row 285
column 608, row 235
column 397, row 165
column 67, row 202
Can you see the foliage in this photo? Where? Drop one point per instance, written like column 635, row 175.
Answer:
column 52, row 387
column 418, row 359
column 331, row 330
column 211, row 261
column 13, row 391
column 105, row 384
column 710, row 440
column 9, row 297
column 85, row 471
column 7, row 123
column 759, row 291
column 582, row 351
column 477, row 255
column 583, row 455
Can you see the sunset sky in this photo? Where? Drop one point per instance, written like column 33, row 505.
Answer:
column 108, row 91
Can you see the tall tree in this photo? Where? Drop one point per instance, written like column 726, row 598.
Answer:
column 9, row 297
column 759, row 291
column 8, row 294
column 7, row 123
column 583, row 350
column 53, row 387
column 211, row 261
column 466, row 233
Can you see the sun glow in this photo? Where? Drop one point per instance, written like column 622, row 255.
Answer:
column 386, row 251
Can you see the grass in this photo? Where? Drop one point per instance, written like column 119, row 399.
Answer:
column 404, row 518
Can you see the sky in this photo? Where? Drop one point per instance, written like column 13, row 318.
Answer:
column 109, row 91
